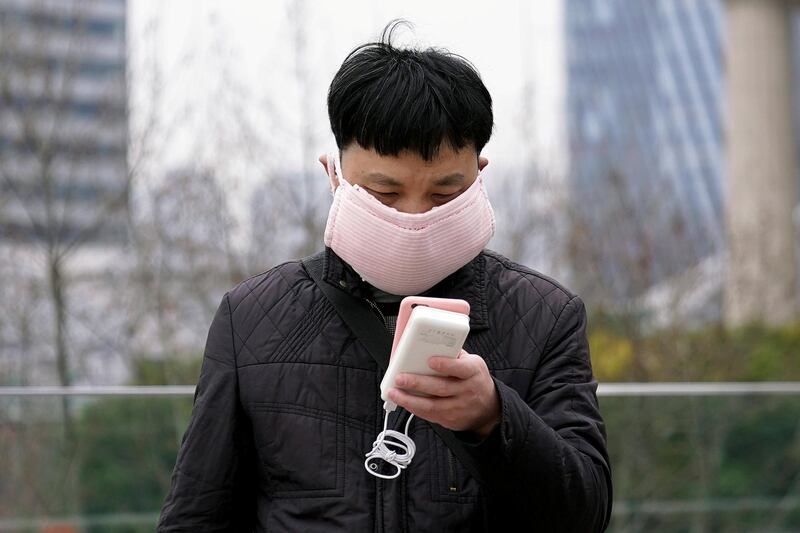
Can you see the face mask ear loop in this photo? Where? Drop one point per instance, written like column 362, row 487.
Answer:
column 332, row 167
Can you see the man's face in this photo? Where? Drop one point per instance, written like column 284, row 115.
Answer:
column 407, row 182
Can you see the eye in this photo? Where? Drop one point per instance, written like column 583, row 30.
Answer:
column 383, row 196
column 382, row 193
column 444, row 197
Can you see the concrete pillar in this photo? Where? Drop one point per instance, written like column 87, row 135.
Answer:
column 761, row 164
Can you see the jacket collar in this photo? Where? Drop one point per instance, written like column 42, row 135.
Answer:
column 467, row 283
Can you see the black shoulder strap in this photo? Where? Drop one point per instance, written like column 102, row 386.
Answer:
column 366, row 325
column 358, row 316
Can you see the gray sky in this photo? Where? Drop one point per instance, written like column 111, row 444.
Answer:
column 512, row 44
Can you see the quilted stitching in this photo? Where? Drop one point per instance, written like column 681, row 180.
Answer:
column 285, row 330
column 270, row 293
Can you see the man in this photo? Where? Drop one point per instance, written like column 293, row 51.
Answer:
column 288, row 402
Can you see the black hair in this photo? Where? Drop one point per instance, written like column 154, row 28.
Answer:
column 391, row 99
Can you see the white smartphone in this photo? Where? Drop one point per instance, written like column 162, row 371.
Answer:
column 425, row 327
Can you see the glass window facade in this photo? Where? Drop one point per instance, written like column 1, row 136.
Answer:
column 63, row 89
column 644, row 122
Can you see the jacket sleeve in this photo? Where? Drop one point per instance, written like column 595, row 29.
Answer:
column 212, row 486
column 549, row 451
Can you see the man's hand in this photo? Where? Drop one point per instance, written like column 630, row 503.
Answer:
column 464, row 400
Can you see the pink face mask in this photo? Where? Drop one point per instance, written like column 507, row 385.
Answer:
column 403, row 253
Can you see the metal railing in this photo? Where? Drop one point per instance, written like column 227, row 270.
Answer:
column 604, row 389
column 665, row 506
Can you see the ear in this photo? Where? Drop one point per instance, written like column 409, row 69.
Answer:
column 482, row 162
column 323, row 159
column 327, row 164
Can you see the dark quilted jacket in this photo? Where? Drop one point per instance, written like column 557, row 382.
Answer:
column 287, row 405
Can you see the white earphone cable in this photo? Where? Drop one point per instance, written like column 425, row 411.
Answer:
column 393, row 447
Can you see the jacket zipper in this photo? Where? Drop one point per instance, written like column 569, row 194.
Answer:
column 451, row 462
column 379, row 518
column 377, row 310
column 453, row 487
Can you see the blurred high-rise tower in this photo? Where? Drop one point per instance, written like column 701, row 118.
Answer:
column 64, row 185
column 681, row 144
column 645, row 135
column 63, row 121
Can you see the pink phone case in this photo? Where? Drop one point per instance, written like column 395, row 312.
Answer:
column 409, row 302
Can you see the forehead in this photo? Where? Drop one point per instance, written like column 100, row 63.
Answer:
column 450, row 166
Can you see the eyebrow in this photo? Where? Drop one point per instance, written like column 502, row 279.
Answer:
column 383, row 179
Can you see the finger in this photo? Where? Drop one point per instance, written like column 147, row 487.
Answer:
column 430, row 409
column 432, row 385
column 462, row 368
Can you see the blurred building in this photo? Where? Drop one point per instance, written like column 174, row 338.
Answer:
column 645, row 135
column 63, row 121
column 762, row 164
column 63, row 188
